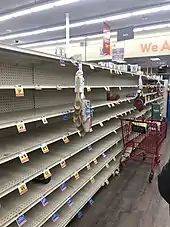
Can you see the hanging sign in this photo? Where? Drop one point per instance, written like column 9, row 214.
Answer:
column 118, row 54
column 106, row 39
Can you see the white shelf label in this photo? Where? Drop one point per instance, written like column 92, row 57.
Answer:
column 92, row 180
column 63, row 164
column 95, row 161
column 107, row 165
column 45, row 148
column 59, row 88
column 76, row 175
column 47, row 173
column 22, row 188
column 88, row 166
column 107, row 182
column 21, row 127
column 24, row 157
column 44, row 120
column 66, row 139
column 101, row 124
column 88, row 88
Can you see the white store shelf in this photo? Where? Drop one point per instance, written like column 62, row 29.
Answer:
column 23, row 204
column 81, row 198
column 49, row 94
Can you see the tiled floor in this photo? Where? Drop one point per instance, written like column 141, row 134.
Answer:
column 129, row 200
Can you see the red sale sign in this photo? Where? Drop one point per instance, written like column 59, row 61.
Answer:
column 106, row 39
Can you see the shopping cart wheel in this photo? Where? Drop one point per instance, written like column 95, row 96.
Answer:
column 144, row 156
column 151, row 175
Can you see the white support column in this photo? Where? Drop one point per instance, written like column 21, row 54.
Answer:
column 67, row 34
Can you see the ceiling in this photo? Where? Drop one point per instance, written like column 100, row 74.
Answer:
column 79, row 11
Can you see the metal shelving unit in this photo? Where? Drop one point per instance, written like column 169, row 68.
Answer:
column 78, row 167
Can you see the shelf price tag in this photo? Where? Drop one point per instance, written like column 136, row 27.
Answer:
column 65, row 116
column 66, row 139
column 92, row 66
column 80, row 214
column 63, row 164
column 62, row 62
column 88, row 166
column 38, row 87
column 104, row 155
column 45, row 148
column 91, row 130
column 47, row 174
column 114, row 159
column 21, row 220
column 109, row 105
column 101, row 124
column 95, row 161
column 63, row 187
column 107, row 165
column 92, row 180
column 91, row 201
column 19, row 91
column 90, row 148
column 21, row 127
column 76, row 175
column 44, row 120
column 107, row 182
column 55, row 217
column 44, row 201
column 113, row 105
column 70, row 202
column 88, row 88
column 59, row 88
column 24, row 157
column 22, row 188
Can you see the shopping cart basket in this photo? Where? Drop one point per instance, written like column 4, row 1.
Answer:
column 142, row 139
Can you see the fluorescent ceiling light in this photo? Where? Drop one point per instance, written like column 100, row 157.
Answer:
column 94, row 21
column 155, row 59
column 113, row 34
column 36, row 9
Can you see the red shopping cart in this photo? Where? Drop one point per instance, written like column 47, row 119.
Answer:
column 142, row 139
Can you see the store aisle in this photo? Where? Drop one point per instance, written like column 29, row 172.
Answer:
column 129, row 200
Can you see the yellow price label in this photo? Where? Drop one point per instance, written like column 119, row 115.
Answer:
column 21, row 127
column 23, row 157
column 76, row 175
column 45, row 148
column 95, row 161
column 63, row 164
column 22, row 188
column 47, row 173
column 19, row 91
column 88, row 166
column 92, row 180
column 66, row 140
